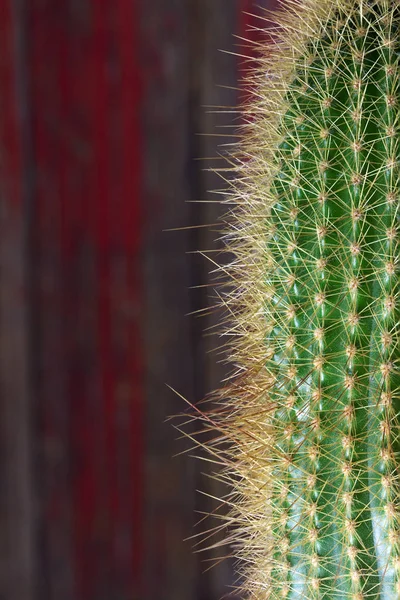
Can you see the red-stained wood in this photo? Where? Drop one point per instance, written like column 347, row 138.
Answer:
column 130, row 391
column 95, row 163
column 86, row 99
column 46, row 67
column 11, row 135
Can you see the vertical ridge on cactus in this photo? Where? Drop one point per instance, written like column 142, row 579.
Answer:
column 308, row 426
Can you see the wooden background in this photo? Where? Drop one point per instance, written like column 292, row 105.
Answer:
column 101, row 107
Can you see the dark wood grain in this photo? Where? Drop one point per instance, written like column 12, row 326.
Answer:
column 107, row 129
column 17, row 501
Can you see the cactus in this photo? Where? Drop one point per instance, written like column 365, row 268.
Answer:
column 308, row 427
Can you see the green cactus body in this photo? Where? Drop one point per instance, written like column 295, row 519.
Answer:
column 333, row 252
column 312, row 415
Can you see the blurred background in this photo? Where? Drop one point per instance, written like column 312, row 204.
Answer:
column 109, row 120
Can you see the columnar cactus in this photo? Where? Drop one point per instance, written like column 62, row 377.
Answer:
column 311, row 418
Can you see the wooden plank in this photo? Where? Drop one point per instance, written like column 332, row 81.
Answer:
column 16, row 504
column 170, row 568
column 87, row 139
column 49, row 94
column 116, row 98
column 128, row 304
column 182, row 47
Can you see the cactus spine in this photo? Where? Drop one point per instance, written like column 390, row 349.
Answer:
column 311, row 416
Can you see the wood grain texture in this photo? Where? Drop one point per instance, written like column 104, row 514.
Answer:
column 86, row 136
column 104, row 107
column 17, row 499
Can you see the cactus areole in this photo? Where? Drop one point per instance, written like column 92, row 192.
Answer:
column 312, row 414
